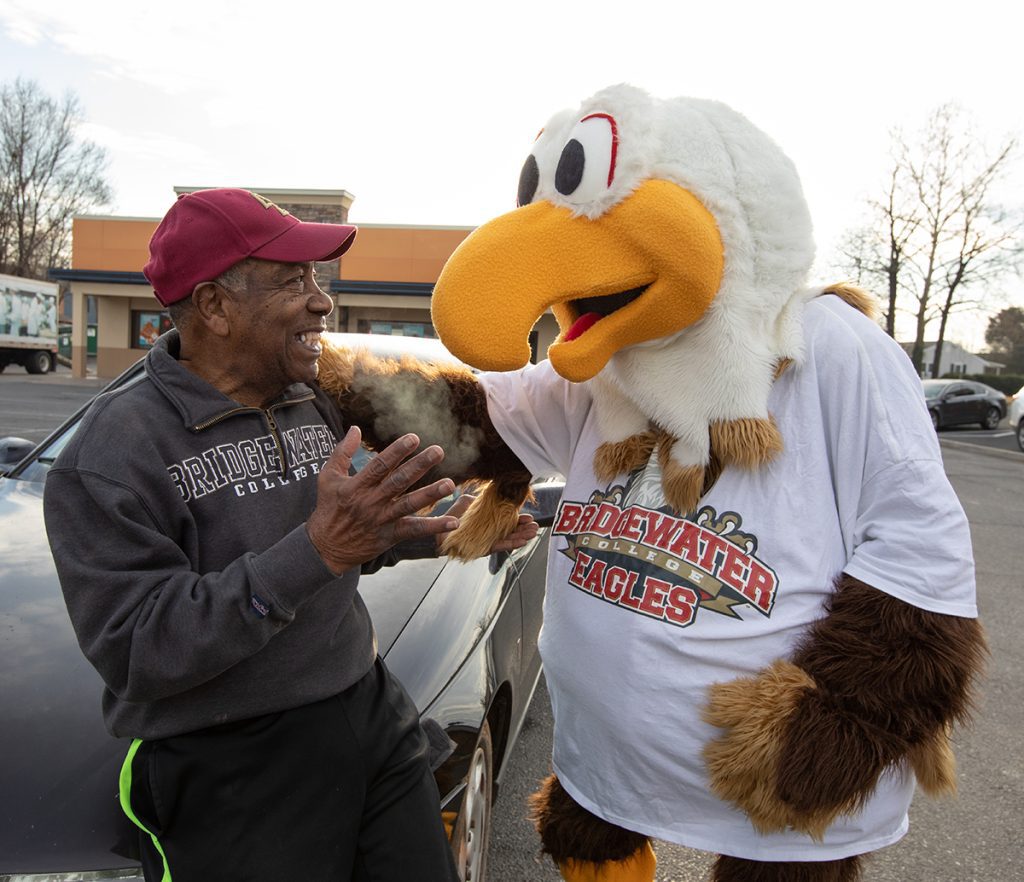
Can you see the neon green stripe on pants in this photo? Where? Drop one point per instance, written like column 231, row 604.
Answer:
column 125, row 787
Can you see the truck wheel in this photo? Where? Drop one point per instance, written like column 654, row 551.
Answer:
column 38, row 363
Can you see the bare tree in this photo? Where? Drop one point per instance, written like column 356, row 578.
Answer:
column 878, row 253
column 936, row 231
column 987, row 246
column 47, row 176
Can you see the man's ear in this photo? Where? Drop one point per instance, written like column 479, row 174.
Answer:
column 212, row 308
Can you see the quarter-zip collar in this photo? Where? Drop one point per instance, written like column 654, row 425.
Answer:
column 200, row 404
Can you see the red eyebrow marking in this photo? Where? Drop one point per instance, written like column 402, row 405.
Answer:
column 615, row 140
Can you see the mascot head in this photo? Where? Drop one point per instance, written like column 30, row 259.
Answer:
column 639, row 222
column 672, row 242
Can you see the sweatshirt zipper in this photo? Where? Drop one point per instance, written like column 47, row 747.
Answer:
column 268, row 415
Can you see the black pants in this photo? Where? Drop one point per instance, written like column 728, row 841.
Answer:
column 334, row 791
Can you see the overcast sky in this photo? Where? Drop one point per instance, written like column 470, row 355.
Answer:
column 425, row 111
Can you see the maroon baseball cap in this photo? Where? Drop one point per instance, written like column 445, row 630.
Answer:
column 207, row 232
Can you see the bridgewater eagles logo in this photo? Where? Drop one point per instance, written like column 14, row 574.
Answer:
column 655, row 563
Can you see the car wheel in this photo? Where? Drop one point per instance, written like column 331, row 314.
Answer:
column 1020, row 434
column 473, row 828
column 992, row 418
column 38, row 363
column 935, row 419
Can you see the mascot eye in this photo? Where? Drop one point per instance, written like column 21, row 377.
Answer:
column 528, row 180
column 586, row 167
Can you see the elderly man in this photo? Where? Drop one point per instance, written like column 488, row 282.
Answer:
column 269, row 741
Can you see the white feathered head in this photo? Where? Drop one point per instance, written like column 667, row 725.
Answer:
column 642, row 224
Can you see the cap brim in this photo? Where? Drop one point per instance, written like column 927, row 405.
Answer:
column 305, row 242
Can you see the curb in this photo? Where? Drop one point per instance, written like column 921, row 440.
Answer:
column 982, row 449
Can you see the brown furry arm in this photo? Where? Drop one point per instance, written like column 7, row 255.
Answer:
column 890, row 678
column 445, row 405
column 875, row 682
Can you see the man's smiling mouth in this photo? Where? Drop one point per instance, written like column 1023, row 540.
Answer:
column 311, row 341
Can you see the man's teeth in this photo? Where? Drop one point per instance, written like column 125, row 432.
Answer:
column 310, row 338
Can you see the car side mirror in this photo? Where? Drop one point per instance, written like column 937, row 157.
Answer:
column 12, row 451
column 544, row 505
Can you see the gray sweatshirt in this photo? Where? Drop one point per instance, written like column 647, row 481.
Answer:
column 176, row 517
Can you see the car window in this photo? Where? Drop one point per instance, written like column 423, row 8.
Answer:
column 933, row 388
column 37, row 469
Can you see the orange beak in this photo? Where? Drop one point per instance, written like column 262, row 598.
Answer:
column 645, row 269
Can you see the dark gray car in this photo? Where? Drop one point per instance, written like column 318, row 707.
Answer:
column 461, row 637
column 956, row 402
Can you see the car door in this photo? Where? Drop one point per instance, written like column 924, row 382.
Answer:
column 959, row 404
column 976, row 403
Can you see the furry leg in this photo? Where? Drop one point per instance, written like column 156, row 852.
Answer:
column 585, row 847
column 638, row 867
column 730, row 869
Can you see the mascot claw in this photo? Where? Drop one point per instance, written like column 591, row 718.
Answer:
column 744, row 762
column 747, row 443
column 622, row 457
column 489, row 516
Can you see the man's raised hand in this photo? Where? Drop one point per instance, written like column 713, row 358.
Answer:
column 358, row 517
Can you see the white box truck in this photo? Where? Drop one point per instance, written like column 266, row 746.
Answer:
column 28, row 324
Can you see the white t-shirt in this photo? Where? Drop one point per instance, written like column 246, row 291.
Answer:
column 645, row 609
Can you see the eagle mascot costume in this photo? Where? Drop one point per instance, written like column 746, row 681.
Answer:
column 760, row 620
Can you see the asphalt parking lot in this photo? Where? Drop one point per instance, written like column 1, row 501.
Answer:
column 32, row 406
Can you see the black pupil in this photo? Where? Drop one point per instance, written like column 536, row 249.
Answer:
column 529, row 177
column 570, row 168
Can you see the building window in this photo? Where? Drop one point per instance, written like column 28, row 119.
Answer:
column 66, row 301
column 396, row 329
column 147, row 326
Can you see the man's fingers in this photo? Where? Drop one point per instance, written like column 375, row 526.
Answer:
column 526, row 530
column 391, row 457
column 461, row 504
column 418, row 527
column 393, row 471
column 409, row 472
column 424, row 498
column 340, row 459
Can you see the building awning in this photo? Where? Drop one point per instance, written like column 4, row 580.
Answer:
column 109, row 277
column 405, row 289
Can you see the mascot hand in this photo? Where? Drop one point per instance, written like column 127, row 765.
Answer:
column 757, row 714
column 876, row 683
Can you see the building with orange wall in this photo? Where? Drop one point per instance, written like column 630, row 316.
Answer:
column 381, row 285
